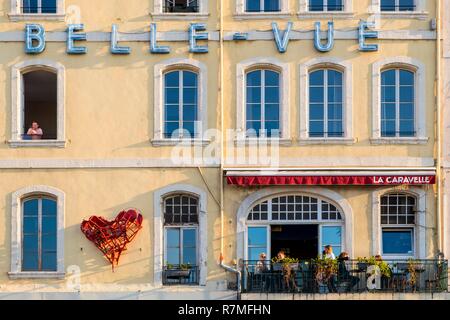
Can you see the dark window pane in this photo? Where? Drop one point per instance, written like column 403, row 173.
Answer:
column 49, row 261
column 189, row 79
column 272, row 78
column 397, row 241
column 388, row 78
column 30, row 207
column 49, row 207
column 254, row 79
column 48, row 6
column 316, row 5
column 172, row 79
column 49, row 224
column 30, row 261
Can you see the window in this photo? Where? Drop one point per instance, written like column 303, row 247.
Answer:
column 40, row 105
column 397, row 103
column 39, row 6
column 325, row 103
column 39, row 234
column 38, row 96
column 263, row 103
column 181, row 104
column 257, row 242
column 398, row 218
column 332, row 235
column 326, row 5
column 181, row 238
column 262, row 6
column 397, row 5
column 186, row 6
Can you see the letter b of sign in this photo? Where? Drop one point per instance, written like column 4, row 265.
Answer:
column 374, row 280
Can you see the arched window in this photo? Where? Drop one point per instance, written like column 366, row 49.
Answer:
column 263, row 103
column 180, row 104
column 397, row 103
column 39, row 247
column 326, row 103
column 181, row 220
column 398, row 220
column 300, row 225
column 40, row 105
column 262, row 6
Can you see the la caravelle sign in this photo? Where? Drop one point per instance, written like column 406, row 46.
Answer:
column 35, row 38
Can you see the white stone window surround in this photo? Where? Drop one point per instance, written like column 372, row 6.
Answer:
column 241, row 13
column 16, row 233
column 241, row 86
column 17, row 103
column 329, row 195
column 419, row 70
column 326, row 63
column 419, row 228
column 159, row 14
column 16, row 13
column 158, row 204
column 419, row 13
column 304, row 12
column 180, row 64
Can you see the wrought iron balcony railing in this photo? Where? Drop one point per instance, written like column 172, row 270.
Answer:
column 180, row 275
column 351, row 276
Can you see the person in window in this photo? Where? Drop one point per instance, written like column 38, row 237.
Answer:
column 343, row 273
column 35, row 132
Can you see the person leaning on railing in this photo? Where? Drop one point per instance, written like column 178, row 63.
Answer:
column 343, row 273
column 35, row 132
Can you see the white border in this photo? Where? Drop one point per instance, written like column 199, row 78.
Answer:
column 420, row 103
column 329, row 195
column 346, row 68
column 17, row 15
column 420, row 227
column 158, row 13
column 158, row 198
column 269, row 63
column 16, row 232
column 17, row 103
column 159, row 70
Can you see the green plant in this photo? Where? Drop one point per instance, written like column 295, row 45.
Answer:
column 185, row 266
column 383, row 266
column 412, row 265
column 285, row 260
column 325, row 268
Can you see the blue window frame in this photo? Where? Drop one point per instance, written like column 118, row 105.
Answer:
column 332, row 235
column 180, row 104
column 326, row 104
column 39, row 237
column 263, row 6
column 39, row 6
column 398, row 103
column 181, row 246
column 398, row 5
column 257, row 242
column 398, row 241
column 326, row 5
column 263, row 103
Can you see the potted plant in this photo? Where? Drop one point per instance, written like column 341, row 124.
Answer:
column 282, row 264
column 325, row 269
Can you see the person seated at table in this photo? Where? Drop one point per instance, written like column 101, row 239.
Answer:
column 261, row 265
column 328, row 253
column 343, row 273
column 35, row 131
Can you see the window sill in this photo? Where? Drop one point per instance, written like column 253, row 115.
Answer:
column 37, row 16
column 319, row 141
column 326, row 15
column 381, row 141
column 36, row 275
column 180, row 16
column 259, row 141
column 181, row 142
column 262, row 15
column 403, row 15
column 37, row 143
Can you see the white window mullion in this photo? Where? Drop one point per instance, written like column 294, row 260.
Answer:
column 397, row 103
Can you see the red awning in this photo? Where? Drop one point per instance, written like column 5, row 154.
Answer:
column 277, row 180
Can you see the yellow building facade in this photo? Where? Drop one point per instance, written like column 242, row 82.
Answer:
column 290, row 144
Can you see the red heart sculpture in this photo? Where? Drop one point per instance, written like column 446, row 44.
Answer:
column 112, row 237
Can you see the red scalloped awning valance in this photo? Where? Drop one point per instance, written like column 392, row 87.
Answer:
column 331, row 180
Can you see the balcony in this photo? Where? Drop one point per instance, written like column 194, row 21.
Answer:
column 180, row 275
column 352, row 276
